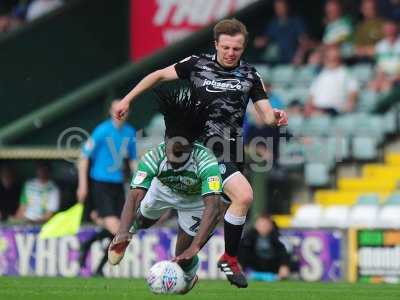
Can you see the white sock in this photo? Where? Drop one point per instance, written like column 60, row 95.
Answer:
column 234, row 220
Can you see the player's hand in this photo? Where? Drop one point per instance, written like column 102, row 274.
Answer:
column 121, row 110
column 188, row 254
column 81, row 193
column 281, row 117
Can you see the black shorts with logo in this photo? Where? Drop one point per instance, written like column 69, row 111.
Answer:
column 229, row 153
column 108, row 198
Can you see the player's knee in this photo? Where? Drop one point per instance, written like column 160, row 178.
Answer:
column 246, row 199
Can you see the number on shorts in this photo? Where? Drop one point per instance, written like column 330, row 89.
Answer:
column 195, row 226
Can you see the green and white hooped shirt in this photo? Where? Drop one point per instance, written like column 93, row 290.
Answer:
column 198, row 176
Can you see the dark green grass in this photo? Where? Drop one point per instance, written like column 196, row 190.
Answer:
column 14, row 288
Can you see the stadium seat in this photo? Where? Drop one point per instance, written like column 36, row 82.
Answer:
column 366, row 100
column 372, row 199
column 316, row 174
column 295, row 125
column 365, row 147
column 307, row 215
column 366, row 185
column 393, row 199
column 284, row 93
column 304, row 76
column 368, row 125
column 283, row 221
column 299, row 93
column 393, row 159
column 363, row 215
column 362, row 72
column 389, row 216
column 332, row 197
column 381, row 171
column 343, row 125
column 320, row 150
column 339, row 147
column 317, row 126
column 291, row 154
column 390, row 122
column 335, row 216
column 282, row 75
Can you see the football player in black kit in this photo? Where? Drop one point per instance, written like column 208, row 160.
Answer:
column 227, row 83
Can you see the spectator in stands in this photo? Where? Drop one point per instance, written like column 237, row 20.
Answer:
column 338, row 28
column 40, row 197
column 369, row 31
column 10, row 191
column 286, row 33
column 111, row 143
column 262, row 252
column 387, row 57
column 334, row 90
column 38, row 8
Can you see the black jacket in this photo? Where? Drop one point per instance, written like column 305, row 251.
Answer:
column 263, row 254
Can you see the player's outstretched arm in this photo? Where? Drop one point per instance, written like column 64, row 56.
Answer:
column 146, row 83
column 208, row 222
column 128, row 214
column 269, row 115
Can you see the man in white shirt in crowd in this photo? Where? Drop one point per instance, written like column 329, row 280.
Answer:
column 334, row 90
column 40, row 197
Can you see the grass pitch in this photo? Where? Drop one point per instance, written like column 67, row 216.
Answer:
column 27, row 288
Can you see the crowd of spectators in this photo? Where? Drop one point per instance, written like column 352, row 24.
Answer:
column 368, row 36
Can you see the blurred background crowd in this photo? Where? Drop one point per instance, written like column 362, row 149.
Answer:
column 338, row 81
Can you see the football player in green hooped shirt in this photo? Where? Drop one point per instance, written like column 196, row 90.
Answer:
column 179, row 174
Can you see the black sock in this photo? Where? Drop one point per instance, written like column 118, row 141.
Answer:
column 233, row 235
column 99, row 269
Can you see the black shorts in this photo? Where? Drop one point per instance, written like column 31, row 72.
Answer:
column 230, row 155
column 108, row 198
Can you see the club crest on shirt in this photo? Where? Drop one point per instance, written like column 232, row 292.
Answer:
column 140, row 177
column 214, row 183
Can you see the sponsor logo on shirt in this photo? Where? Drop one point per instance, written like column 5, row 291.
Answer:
column 221, row 85
column 140, row 177
column 214, row 183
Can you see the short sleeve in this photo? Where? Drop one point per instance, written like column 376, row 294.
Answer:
column 257, row 91
column 185, row 66
column 93, row 142
column 211, row 182
column 146, row 171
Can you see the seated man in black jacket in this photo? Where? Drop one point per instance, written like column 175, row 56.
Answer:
column 262, row 251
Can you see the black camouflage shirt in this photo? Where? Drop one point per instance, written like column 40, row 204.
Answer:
column 228, row 91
